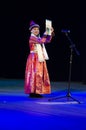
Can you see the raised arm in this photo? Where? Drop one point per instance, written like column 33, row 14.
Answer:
column 44, row 39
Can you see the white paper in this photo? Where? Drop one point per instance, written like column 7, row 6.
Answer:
column 48, row 24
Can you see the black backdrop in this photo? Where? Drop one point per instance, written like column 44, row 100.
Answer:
column 14, row 24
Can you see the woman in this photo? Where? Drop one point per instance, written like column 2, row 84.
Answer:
column 37, row 80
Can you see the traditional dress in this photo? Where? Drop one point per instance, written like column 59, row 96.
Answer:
column 36, row 73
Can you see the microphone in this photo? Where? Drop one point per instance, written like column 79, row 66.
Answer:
column 65, row 31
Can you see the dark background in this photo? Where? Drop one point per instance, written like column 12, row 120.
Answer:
column 14, row 23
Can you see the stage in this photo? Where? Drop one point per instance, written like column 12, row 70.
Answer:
column 19, row 111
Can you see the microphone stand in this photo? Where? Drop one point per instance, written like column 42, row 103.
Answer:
column 72, row 48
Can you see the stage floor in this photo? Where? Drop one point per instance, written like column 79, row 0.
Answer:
column 54, row 111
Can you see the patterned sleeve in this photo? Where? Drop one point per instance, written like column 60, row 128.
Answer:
column 43, row 39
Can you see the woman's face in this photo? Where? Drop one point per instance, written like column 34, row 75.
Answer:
column 35, row 31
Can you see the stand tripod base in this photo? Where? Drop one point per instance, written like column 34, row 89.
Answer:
column 68, row 96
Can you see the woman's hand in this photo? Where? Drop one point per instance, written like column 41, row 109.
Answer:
column 52, row 29
column 49, row 31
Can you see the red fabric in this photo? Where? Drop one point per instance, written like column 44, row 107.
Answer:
column 36, row 73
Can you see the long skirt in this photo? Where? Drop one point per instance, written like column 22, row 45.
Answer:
column 36, row 76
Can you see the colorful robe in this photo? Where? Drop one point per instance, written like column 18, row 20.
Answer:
column 36, row 73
